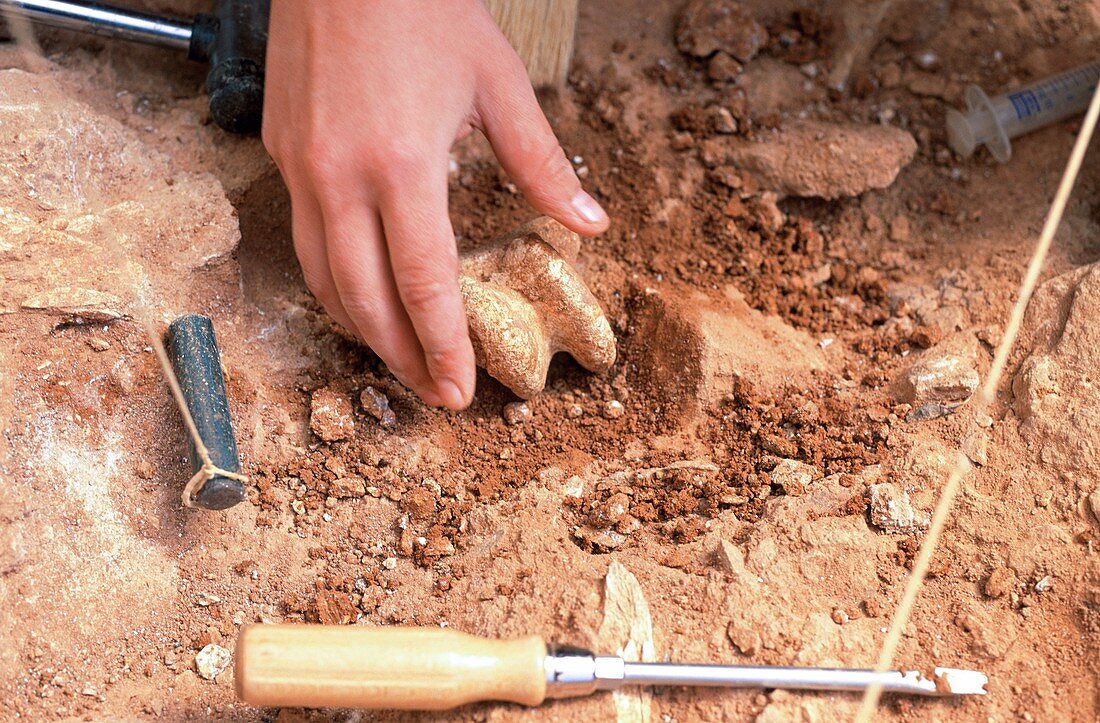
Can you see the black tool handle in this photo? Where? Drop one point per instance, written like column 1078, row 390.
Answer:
column 234, row 39
column 198, row 367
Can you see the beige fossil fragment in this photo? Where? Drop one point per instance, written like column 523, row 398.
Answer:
column 525, row 302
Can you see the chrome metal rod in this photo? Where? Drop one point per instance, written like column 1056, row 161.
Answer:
column 946, row 681
column 102, row 20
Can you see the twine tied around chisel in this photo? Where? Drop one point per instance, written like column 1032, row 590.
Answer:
column 208, row 470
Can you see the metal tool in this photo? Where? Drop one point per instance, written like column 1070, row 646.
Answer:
column 233, row 39
column 193, row 350
column 435, row 669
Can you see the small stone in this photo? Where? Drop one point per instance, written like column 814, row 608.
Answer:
column 99, row 344
column 999, row 583
column 943, row 375
column 839, row 616
column 892, row 511
column 390, row 563
column 1094, row 504
column 730, row 558
column 334, row 608
column 575, row 411
column 331, row 417
column 419, row 502
column 707, row 26
column 212, row 660
column 745, row 639
column 377, row 404
column 347, row 487
column 599, row 539
column 574, row 487
column 722, row 68
column 976, row 448
column 516, row 413
column 793, row 476
column 1044, row 585
column 899, row 229
column 932, row 410
column 723, row 121
column 205, row 599
column 1044, row 499
column 298, row 507
column 613, row 409
column 208, row 636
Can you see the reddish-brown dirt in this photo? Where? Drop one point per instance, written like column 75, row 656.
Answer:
column 762, row 344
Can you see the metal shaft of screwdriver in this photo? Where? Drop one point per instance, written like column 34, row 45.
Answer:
column 571, row 672
column 777, row 677
column 102, row 20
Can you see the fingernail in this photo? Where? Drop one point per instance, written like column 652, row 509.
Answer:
column 452, row 396
column 587, row 207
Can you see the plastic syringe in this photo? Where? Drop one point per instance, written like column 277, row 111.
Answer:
column 993, row 122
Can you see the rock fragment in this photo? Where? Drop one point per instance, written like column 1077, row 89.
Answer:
column 709, row 26
column 730, row 558
column 941, row 379
column 212, row 660
column 823, row 160
column 347, row 487
column 893, row 512
column 331, row 417
column 745, row 639
column 722, row 68
column 793, row 477
column 333, row 607
column 999, row 583
column 1094, row 504
column 516, row 413
column 377, row 404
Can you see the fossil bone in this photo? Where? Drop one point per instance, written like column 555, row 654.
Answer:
column 525, row 302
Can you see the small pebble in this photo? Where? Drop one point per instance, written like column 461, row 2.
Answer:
column 576, row 411
column 1044, row 585
column 212, row 660
column 516, row 413
column 613, row 409
column 839, row 616
column 99, row 344
column 206, row 599
column 377, row 404
column 390, row 563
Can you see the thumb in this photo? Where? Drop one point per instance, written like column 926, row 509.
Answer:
column 531, row 155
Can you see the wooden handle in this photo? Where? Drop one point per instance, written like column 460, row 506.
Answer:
column 357, row 666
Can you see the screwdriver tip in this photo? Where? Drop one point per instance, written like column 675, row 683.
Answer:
column 953, row 681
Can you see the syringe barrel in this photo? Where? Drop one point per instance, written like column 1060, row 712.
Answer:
column 1046, row 101
column 992, row 122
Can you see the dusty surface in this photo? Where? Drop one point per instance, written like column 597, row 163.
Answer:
column 748, row 483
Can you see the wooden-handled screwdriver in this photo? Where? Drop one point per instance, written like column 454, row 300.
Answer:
column 435, row 669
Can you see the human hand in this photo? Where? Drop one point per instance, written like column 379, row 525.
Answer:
column 363, row 102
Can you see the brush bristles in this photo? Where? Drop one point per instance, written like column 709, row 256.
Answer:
column 541, row 31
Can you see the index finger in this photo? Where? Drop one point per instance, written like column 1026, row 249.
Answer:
column 424, row 259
